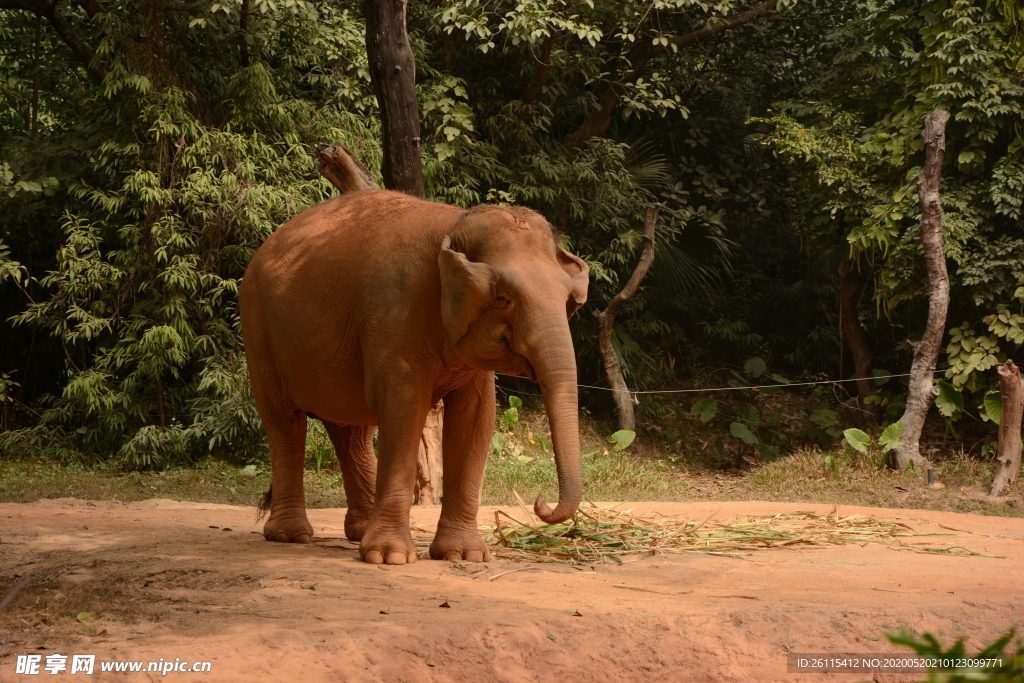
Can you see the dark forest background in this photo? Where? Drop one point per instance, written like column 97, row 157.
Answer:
column 147, row 148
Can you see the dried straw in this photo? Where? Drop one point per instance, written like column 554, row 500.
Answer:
column 598, row 534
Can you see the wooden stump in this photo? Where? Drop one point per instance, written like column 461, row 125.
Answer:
column 1009, row 445
column 343, row 170
column 428, row 462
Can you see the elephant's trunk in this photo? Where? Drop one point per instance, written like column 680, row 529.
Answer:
column 550, row 351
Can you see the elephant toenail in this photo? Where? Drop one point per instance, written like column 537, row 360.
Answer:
column 302, row 538
column 373, row 557
column 396, row 558
column 474, row 556
column 282, row 537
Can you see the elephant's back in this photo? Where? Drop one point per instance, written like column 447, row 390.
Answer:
column 351, row 233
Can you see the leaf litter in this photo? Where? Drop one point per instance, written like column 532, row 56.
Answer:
column 608, row 535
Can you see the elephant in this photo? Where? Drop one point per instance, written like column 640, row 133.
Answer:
column 363, row 312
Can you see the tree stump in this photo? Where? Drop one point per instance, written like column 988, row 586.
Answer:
column 428, row 463
column 337, row 163
column 1008, row 449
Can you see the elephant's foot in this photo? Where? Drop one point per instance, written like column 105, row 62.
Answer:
column 381, row 545
column 459, row 544
column 288, row 529
column 355, row 525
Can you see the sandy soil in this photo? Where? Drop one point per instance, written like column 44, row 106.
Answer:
column 193, row 581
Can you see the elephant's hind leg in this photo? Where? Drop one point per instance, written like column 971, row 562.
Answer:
column 354, row 446
column 286, row 435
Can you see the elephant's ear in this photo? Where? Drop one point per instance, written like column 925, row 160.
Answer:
column 467, row 290
column 579, row 271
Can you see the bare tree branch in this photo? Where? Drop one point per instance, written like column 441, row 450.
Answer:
column 605, row 321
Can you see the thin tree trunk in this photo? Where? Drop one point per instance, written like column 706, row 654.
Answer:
column 922, row 390
column 160, row 403
column 856, row 340
column 599, row 119
column 1009, row 446
column 605, row 321
column 343, row 170
column 34, row 107
column 538, row 78
column 243, row 29
column 393, row 75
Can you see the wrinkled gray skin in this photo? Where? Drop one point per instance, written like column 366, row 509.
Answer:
column 367, row 309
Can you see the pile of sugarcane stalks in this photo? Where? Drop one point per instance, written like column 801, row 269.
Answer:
column 604, row 535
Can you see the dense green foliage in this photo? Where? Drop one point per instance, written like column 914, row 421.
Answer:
column 132, row 204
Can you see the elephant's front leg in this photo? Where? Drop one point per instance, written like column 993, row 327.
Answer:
column 401, row 414
column 468, row 425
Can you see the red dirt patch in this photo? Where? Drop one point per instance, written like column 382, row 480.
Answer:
column 166, row 584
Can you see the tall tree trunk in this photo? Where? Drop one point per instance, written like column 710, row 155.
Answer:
column 1009, row 447
column 605, row 321
column 856, row 340
column 347, row 174
column 393, row 75
column 922, row 390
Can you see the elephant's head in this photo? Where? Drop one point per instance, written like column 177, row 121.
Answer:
column 508, row 291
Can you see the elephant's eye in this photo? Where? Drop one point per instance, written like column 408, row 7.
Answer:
column 500, row 302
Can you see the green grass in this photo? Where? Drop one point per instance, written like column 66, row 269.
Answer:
column 23, row 481
column 648, row 470
column 607, row 476
column 853, row 478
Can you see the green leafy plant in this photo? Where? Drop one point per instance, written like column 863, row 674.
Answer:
column 705, row 409
column 858, row 439
column 510, row 417
column 6, row 384
column 319, row 449
column 497, row 443
column 622, row 439
column 891, row 436
column 992, row 406
column 1005, row 668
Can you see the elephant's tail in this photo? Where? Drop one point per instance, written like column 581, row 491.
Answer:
column 264, row 505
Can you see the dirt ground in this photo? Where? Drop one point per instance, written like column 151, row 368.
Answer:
column 197, row 582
